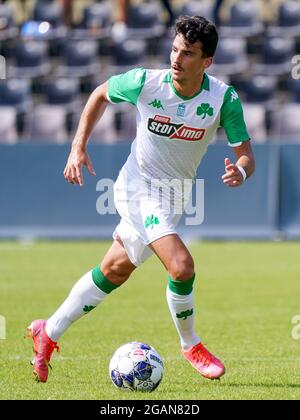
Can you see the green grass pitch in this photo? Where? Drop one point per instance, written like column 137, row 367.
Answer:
column 246, row 295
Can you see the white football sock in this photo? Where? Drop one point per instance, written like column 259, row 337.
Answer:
column 182, row 311
column 84, row 297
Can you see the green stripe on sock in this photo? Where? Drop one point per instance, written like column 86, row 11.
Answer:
column 102, row 282
column 181, row 287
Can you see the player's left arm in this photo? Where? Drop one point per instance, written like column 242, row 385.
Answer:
column 237, row 173
column 232, row 119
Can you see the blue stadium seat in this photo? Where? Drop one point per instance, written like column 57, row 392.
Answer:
column 276, row 56
column 255, row 118
column 79, row 59
column 52, row 12
column 47, row 124
column 262, row 90
column 96, row 22
column 144, row 22
column 8, row 126
column 104, row 131
column 125, row 121
column 16, row 93
column 230, row 57
column 286, row 123
column 198, row 8
column 255, row 115
column 63, row 91
column 288, row 23
column 244, row 21
column 31, row 60
column 8, row 29
column 294, row 88
column 49, row 11
column 165, row 50
column 127, row 54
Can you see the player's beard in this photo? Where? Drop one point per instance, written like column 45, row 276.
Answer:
column 178, row 79
column 178, row 76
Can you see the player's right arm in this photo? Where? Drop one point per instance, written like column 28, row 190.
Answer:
column 124, row 87
column 78, row 156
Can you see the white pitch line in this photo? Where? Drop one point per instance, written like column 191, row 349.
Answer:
column 168, row 358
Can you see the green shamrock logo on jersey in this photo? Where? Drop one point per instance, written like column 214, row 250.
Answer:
column 151, row 221
column 205, row 109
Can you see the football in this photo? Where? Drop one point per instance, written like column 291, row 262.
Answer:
column 136, row 366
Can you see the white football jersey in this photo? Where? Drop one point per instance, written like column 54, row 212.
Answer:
column 173, row 131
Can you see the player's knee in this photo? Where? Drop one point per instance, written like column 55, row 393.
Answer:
column 182, row 268
column 116, row 273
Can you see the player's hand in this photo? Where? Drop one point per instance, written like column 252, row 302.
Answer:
column 232, row 177
column 73, row 170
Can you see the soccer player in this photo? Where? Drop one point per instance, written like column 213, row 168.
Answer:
column 178, row 113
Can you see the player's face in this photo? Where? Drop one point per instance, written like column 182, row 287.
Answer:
column 187, row 61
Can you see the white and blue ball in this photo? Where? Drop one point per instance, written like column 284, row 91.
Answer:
column 136, row 366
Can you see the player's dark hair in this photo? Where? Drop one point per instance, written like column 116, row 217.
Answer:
column 197, row 28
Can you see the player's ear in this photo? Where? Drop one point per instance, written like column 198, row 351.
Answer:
column 208, row 62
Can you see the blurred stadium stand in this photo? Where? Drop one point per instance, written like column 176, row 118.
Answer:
column 255, row 118
column 244, row 21
column 8, row 28
column 79, row 59
column 55, row 60
column 230, row 58
column 52, row 12
column 261, row 90
column 96, row 22
column 276, row 57
column 16, row 93
column 144, row 21
column 31, row 60
column 8, row 126
column 58, row 51
column 63, row 91
column 195, row 7
column 288, row 20
column 46, row 124
column 286, row 125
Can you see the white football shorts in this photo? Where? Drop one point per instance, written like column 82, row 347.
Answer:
column 145, row 214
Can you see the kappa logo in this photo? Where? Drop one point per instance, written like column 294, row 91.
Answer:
column 163, row 126
column 156, row 104
column 234, row 96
